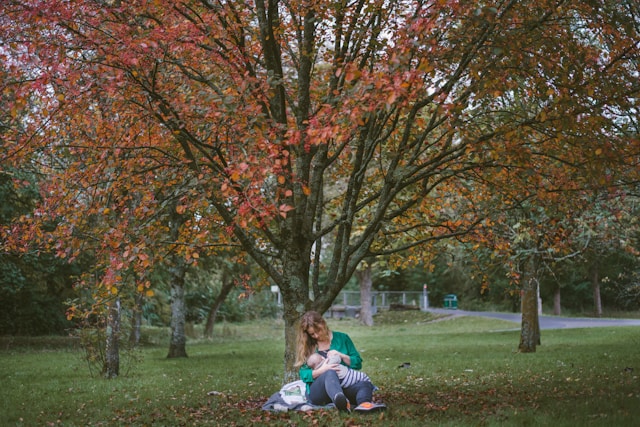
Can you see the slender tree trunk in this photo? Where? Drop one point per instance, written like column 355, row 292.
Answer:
column 136, row 321
column 595, row 285
column 178, row 343
column 364, row 278
column 177, row 273
column 530, row 332
column 227, row 285
column 557, row 308
column 111, row 368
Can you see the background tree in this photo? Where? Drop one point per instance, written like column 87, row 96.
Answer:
column 363, row 274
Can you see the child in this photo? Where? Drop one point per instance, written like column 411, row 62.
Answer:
column 348, row 376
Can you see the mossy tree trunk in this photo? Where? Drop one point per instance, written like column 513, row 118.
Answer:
column 111, row 368
column 595, row 286
column 178, row 343
column 530, row 328
column 364, row 278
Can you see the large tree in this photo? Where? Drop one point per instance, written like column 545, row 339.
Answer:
column 297, row 120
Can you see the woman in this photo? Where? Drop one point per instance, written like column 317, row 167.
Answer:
column 323, row 384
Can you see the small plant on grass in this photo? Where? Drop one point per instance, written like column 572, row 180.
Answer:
column 93, row 337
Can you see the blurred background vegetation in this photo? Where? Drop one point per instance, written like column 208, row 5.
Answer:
column 36, row 287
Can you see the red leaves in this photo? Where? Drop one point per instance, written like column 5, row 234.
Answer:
column 284, row 209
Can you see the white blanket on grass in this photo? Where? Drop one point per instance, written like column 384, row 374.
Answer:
column 291, row 397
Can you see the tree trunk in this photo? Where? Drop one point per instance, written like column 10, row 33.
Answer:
column 595, row 285
column 293, row 309
column 227, row 285
column 364, row 278
column 557, row 308
column 530, row 332
column 136, row 320
column 177, row 345
column 291, row 322
column 177, row 273
column 111, row 368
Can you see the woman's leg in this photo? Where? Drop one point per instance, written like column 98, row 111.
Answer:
column 359, row 392
column 325, row 388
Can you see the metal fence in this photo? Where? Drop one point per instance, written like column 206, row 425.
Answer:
column 347, row 303
column 384, row 300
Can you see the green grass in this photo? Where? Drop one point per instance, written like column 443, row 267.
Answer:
column 464, row 372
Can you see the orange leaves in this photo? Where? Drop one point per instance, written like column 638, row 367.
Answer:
column 391, row 98
column 239, row 171
column 71, row 312
column 426, row 66
column 144, row 288
column 191, row 256
column 352, row 75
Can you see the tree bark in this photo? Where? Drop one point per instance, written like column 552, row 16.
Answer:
column 557, row 307
column 530, row 332
column 136, row 320
column 111, row 368
column 291, row 322
column 177, row 272
column 178, row 343
column 595, row 286
column 292, row 312
column 364, row 278
column 227, row 285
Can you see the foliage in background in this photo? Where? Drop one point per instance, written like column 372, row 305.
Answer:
column 33, row 285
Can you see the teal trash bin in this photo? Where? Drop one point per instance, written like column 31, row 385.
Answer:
column 451, row 302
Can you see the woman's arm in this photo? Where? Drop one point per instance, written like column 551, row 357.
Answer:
column 308, row 375
column 348, row 354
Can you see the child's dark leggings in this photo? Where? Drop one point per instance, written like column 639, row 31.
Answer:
column 326, row 386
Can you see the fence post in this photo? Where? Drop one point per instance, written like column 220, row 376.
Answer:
column 425, row 298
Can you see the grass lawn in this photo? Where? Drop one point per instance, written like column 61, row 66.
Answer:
column 463, row 372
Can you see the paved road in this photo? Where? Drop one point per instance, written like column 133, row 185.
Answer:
column 546, row 322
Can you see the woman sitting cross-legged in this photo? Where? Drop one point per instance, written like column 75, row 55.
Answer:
column 323, row 383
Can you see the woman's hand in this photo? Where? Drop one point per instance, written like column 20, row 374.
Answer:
column 343, row 357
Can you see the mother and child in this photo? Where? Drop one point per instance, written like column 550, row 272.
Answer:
column 330, row 365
